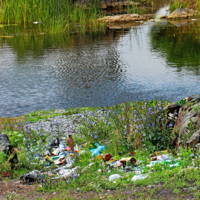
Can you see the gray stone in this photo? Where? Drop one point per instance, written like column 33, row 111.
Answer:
column 194, row 139
column 61, row 126
column 4, row 143
column 149, row 16
column 189, row 112
column 7, row 148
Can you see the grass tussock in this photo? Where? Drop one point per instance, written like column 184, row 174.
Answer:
column 11, row 123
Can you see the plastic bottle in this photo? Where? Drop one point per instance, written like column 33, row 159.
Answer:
column 61, row 146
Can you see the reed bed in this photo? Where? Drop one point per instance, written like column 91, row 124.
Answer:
column 54, row 15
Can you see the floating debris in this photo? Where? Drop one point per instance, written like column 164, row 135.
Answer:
column 36, row 22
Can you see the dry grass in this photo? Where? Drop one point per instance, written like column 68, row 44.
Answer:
column 11, row 123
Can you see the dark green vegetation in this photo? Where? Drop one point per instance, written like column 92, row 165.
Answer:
column 179, row 49
column 33, row 38
column 195, row 4
column 139, row 126
column 56, row 15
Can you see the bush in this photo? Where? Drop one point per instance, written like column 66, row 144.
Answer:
column 16, row 138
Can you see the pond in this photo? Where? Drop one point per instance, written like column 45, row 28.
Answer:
column 41, row 71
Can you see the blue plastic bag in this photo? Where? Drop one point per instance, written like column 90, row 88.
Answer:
column 97, row 151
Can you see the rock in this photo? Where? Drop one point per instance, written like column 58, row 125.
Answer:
column 194, row 139
column 65, row 125
column 7, row 148
column 185, row 119
column 122, row 18
column 183, row 13
column 4, row 143
column 180, row 116
column 149, row 16
column 164, row 17
column 119, row 4
column 171, row 109
column 125, row 25
column 189, row 111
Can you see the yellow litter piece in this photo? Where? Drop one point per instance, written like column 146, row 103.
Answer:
column 126, row 159
column 159, row 153
column 47, row 158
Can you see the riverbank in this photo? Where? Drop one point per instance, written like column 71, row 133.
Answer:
column 61, row 16
column 190, row 4
column 129, row 127
column 69, row 16
column 52, row 16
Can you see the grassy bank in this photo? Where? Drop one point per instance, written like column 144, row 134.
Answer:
column 190, row 4
column 55, row 15
column 140, row 127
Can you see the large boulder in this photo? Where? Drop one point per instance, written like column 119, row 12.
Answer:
column 189, row 112
column 183, row 13
column 122, row 18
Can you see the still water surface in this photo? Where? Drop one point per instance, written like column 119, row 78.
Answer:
column 151, row 61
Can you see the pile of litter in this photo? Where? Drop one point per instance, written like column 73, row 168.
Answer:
column 59, row 160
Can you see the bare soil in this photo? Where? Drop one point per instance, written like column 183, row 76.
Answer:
column 13, row 189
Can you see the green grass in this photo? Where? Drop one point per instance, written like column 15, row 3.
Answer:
column 55, row 15
column 184, row 4
column 58, row 16
column 120, row 132
column 45, row 115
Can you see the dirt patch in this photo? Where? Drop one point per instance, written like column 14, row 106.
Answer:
column 16, row 190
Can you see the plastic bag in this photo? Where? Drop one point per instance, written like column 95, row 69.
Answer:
column 113, row 177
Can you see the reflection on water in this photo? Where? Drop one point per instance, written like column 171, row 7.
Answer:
column 40, row 71
column 179, row 43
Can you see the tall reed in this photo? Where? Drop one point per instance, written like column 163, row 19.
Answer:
column 56, row 15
